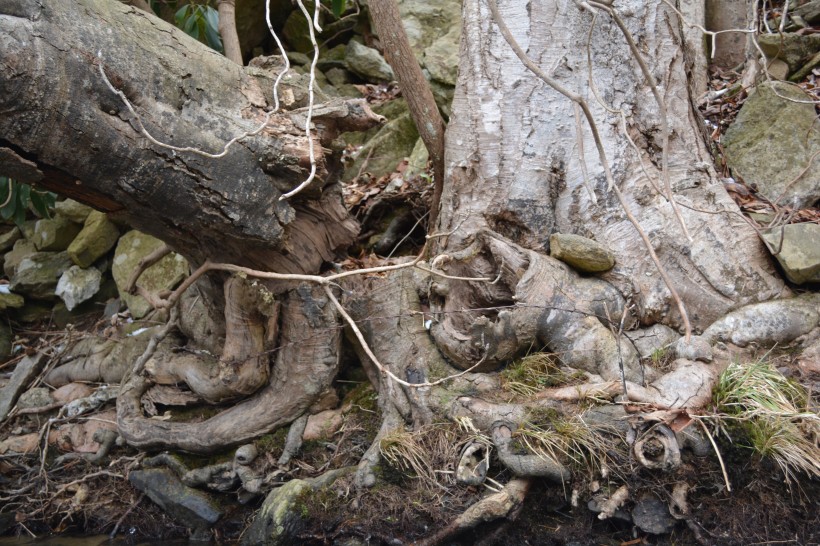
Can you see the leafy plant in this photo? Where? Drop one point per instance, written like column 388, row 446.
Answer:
column 15, row 199
column 201, row 22
column 338, row 7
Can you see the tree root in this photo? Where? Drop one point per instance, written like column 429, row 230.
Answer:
column 499, row 505
column 306, row 364
column 535, row 466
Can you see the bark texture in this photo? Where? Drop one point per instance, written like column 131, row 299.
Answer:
column 59, row 113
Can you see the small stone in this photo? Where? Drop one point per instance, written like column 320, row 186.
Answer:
column 70, row 392
column 22, row 249
column 338, row 76
column 799, row 252
column 74, row 211
column 97, row 237
column 77, row 285
column 25, row 443
column 652, row 516
column 8, row 237
column 697, row 348
column 580, row 253
column 34, row 398
column 11, row 301
column 54, row 234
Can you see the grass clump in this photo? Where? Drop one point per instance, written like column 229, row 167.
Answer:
column 533, row 373
column 773, row 411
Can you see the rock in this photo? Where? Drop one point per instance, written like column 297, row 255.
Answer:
column 338, row 76
column 790, row 47
column 441, row 57
column 697, row 348
column 767, row 323
column 652, row 516
column 810, row 12
column 771, row 142
column 163, row 275
column 34, row 398
column 11, row 301
column 6, row 339
column 192, row 508
column 582, row 254
column 36, row 276
column 425, row 22
column 778, row 69
column 77, row 285
column 26, row 443
column 22, row 249
column 54, row 234
column 279, row 519
column 97, row 237
column 652, row 340
column 297, row 33
column 807, row 68
column 8, row 237
column 26, row 370
column 332, row 58
column 74, row 211
column 417, row 163
column 391, row 144
column 799, row 251
column 368, row 63
column 299, row 59
column 28, row 229
column 33, row 311
column 70, row 392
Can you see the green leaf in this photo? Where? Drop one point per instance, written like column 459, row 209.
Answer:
column 23, row 194
column 338, row 7
column 190, row 27
column 42, row 201
column 181, row 15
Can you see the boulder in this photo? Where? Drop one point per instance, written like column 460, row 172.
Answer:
column 279, row 519
column 799, row 254
column 74, row 211
column 580, row 253
column 97, row 237
column 425, row 22
column 54, row 234
column 163, row 275
column 367, row 63
column 36, row 276
column 22, row 249
column 296, row 31
column 771, row 143
column 33, row 311
column 77, row 285
column 790, row 47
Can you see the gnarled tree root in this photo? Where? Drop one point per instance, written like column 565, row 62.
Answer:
column 306, row 364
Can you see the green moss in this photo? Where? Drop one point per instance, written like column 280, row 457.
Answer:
column 272, row 443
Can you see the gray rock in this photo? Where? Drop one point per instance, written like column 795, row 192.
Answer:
column 652, row 516
column 382, row 153
column 299, row 59
column 790, row 47
column 417, row 163
column 799, row 255
column 368, row 63
column 767, row 323
column 54, row 234
column 35, row 398
column 652, row 340
column 77, row 285
column 33, row 311
column 22, row 249
column 297, row 33
column 163, row 275
column 279, row 519
column 26, row 370
column 697, row 348
column 192, row 508
column 74, row 211
column 441, row 57
column 28, row 229
column 580, row 253
column 8, row 237
column 810, row 12
column 338, row 76
column 425, row 22
column 97, row 237
column 771, row 141
column 37, row 275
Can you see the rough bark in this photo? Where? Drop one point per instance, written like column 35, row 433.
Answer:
column 59, row 113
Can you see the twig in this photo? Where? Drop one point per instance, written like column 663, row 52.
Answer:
column 122, row 518
column 144, row 264
column 717, row 452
